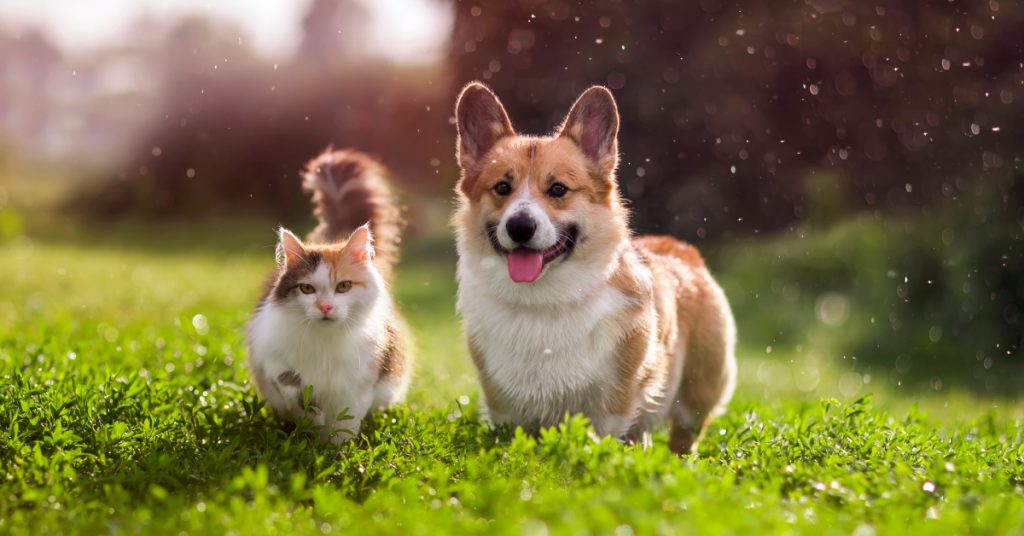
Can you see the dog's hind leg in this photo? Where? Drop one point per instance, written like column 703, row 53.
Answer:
column 709, row 370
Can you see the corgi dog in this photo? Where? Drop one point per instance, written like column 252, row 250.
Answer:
column 564, row 310
column 326, row 325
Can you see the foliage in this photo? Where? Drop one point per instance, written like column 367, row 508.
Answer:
column 934, row 298
column 729, row 107
column 96, row 451
column 127, row 409
column 228, row 128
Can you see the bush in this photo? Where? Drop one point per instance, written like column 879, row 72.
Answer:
column 935, row 297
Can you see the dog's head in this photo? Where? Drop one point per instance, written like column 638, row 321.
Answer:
column 539, row 205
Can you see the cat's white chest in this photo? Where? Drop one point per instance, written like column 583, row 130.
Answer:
column 339, row 366
column 547, row 361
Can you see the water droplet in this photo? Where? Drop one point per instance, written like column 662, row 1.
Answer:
column 833, row 309
column 200, row 324
column 864, row 530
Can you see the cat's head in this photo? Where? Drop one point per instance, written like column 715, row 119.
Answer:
column 326, row 282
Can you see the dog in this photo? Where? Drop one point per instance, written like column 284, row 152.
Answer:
column 565, row 311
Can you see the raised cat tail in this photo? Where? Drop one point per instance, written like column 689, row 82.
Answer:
column 349, row 189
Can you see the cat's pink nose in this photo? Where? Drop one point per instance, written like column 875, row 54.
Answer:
column 324, row 307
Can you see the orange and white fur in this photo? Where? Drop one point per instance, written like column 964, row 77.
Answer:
column 327, row 320
column 565, row 311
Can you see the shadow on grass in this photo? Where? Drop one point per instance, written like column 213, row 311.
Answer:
column 120, row 434
column 221, row 449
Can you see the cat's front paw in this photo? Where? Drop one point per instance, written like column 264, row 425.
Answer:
column 340, row 432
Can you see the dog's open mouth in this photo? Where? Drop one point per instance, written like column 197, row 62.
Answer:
column 525, row 264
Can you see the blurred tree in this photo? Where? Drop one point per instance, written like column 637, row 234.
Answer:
column 332, row 31
column 730, row 108
column 231, row 130
column 28, row 67
column 925, row 299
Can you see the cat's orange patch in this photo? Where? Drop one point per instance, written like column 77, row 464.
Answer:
column 341, row 263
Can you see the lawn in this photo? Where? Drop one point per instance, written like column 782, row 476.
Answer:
column 126, row 407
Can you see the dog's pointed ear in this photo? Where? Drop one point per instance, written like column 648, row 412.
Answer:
column 482, row 121
column 593, row 123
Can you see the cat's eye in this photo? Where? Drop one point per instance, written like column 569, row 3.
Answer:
column 306, row 288
column 503, row 188
column 344, row 286
column 558, row 190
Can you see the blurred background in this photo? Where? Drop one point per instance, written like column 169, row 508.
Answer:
column 852, row 170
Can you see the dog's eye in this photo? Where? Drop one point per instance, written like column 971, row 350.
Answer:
column 343, row 287
column 503, row 188
column 558, row 190
column 306, row 288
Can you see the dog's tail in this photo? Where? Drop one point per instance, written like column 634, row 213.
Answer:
column 349, row 189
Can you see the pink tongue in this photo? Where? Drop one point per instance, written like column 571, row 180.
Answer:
column 524, row 265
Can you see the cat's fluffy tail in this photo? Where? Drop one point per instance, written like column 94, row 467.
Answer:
column 349, row 189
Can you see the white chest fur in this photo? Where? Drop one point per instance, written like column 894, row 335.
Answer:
column 546, row 360
column 337, row 361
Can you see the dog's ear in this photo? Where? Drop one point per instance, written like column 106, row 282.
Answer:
column 593, row 123
column 482, row 121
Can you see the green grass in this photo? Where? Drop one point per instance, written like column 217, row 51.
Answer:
column 125, row 407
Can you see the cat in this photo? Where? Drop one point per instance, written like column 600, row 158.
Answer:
column 326, row 342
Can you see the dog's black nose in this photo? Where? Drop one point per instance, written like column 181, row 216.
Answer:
column 521, row 227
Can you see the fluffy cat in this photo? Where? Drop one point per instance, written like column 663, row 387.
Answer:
column 326, row 324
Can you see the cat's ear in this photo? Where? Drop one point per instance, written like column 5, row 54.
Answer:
column 290, row 250
column 593, row 123
column 360, row 244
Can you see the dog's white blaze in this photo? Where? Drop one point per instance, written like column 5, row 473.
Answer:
column 337, row 359
column 546, row 234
